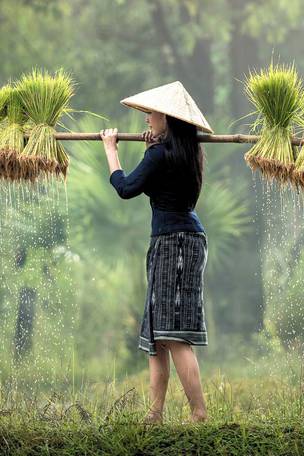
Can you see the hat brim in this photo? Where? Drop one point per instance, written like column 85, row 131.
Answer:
column 147, row 109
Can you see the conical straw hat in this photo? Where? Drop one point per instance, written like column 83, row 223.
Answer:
column 172, row 99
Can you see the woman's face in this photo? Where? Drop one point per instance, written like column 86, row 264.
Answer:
column 157, row 122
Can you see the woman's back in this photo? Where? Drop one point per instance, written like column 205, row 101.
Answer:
column 170, row 189
column 170, row 199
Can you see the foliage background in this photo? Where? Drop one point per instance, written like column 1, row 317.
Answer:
column 114, row 49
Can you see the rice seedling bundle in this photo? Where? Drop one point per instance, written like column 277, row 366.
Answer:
column 278, row 97
column 12, row 132
column 45, row 99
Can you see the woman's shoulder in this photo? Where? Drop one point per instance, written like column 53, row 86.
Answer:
column 156, row 151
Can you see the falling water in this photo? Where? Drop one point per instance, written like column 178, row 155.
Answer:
column 280, row 246
column 37, row 295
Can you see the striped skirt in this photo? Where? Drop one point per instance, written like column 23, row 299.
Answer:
column 174, row 306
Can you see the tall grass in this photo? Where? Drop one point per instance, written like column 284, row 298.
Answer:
column 107, row 418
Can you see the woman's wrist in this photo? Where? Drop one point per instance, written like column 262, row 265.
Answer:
column 111, row 150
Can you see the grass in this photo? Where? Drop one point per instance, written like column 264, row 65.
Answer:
column 248, row 416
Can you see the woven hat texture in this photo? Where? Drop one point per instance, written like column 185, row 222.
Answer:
column 172, row 99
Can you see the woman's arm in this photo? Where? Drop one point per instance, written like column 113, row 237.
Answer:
column 113, row 159
column 109, row 140
column 134, row 183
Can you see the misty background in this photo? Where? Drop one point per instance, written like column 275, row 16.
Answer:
column 253, row 293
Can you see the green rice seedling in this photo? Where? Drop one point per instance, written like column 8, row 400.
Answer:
column 12, row 119
column 297, row 177
column 45, row 99
column 298, row 172
column 278, row 97
column 4, row 94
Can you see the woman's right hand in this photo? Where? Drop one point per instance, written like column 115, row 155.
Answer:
column 149, row 138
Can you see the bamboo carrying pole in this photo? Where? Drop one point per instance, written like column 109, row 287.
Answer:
column 237, row 138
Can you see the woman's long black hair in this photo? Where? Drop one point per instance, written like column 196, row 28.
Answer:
column 184, row 154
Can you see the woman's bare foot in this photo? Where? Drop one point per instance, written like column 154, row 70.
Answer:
column 154, row 417
column 199, row 417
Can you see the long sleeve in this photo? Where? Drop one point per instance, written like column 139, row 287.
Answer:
column 134, row 183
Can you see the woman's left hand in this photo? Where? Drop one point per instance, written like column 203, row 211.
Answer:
column 109, row 138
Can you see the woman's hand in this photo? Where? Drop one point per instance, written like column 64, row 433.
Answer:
column 150, row 138
column 109, row 138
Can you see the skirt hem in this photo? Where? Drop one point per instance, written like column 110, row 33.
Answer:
column 147, row 346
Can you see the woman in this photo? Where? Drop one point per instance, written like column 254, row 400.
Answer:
column 170, row 173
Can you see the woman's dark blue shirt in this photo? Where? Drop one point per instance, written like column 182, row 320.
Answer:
column 172, row 208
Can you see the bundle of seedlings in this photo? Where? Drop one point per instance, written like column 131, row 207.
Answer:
column 278, row 97
column 12, row 119
column 45, row 99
